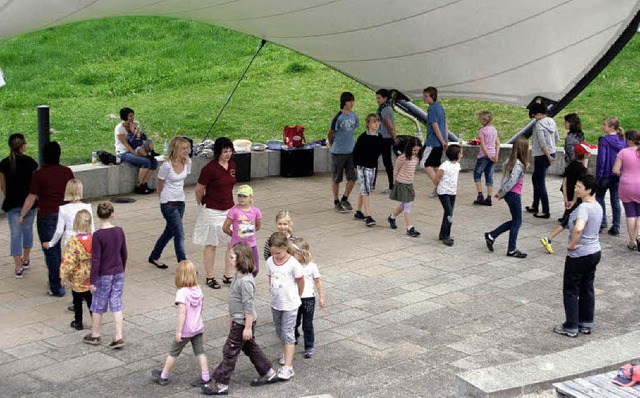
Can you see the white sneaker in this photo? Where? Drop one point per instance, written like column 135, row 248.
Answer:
column 434, row 193
column 285, row 373
column 281, row 359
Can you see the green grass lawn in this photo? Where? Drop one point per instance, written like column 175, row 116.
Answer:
column 177, row 74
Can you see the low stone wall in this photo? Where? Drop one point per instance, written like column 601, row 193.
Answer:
column 101, row 181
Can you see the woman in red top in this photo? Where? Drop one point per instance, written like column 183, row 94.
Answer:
column 214, row 194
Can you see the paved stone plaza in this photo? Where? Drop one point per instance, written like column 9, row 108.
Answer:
column 403, row 316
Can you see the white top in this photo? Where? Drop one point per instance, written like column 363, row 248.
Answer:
column 311, row 272
column 284, row 289
column 120, row 130
column 449, row 182
column 173, row 189
column 66, row 216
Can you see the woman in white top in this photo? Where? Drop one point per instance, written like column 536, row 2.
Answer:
column 171, row 176
column 67, row 213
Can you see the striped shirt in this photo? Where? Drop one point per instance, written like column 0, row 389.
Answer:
column 404, row 170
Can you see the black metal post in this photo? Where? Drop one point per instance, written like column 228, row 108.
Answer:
column 43, row 130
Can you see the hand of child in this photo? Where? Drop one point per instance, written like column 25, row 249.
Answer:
column 178, row 337
column 46, row 245
column 497, row 196
column 321, row 302
column 247, row 334
column 92, row 288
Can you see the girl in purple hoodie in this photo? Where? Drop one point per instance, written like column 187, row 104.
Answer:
column 608, row 147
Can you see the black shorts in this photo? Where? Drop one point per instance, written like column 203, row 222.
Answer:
column 434, row 156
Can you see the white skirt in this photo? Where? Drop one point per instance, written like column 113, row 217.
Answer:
column 208, row 229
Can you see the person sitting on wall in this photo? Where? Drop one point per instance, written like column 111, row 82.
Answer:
column 126, row 154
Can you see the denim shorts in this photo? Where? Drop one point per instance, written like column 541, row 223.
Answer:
column 485, row 165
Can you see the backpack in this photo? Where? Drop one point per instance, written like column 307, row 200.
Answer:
column 293, row 137
column 106, row 158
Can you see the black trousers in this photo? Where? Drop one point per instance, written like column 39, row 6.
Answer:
column 78, row 298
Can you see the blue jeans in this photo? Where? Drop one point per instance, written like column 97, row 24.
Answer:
column 139, row 161
column 538, row 178
column 577, row 291
column 52, row 256
column 610, row 183
column 448, row 203
column 484, row 164
column 172, row 213
column 21, row 234
column 513, row 225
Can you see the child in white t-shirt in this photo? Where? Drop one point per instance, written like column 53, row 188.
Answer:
column 307, row 308
column 446, row 186
column 286, row 283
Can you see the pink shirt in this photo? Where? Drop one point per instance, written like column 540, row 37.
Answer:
column 244, row 224
column 192, row 298
column 518, row 187
column 629, row 189
column 489, row 136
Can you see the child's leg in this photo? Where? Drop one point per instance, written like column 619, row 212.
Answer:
column 359, row 204
column 115, row 302
column 556, row 231
column 397, row 211
column 307, row 309
column 406, row 208
column 118, row 320
column 488, row 176
column 88, row 298
column 365, row 202
column 230, row 351
column 77, row 306
column 99, row 303
column 198, row 350
column 299, row 321
column 256, row 260
column 256, row 355
column 174, row 353
column 288, row 337
column 97, row 320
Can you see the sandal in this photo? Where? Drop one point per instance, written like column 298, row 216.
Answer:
column 531, row 209
column 212, row 283
column 226, row 280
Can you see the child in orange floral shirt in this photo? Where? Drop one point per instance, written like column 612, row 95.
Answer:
column 76, row 265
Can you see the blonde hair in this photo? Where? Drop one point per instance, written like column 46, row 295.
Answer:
column 173, row 154
column 82, row 222
column 186, row 274
column 486, row 115
column 372, row 117
column 614, row 122
column 105, row 210
column 280, row 241
column 302, row 248
column 73, row 190
column 244, row 258
column 285, row 215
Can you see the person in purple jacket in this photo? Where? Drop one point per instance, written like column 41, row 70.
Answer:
column 608, row 147
column 108, row 260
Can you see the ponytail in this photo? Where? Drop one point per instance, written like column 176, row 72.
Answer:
column 16, row 141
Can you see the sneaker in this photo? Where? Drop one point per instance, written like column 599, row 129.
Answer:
column 345, row 203
column 77, row 325
column 156, row 375
column 489, row 241
column 434, row 193
column 26, row 264
column 339, row 208
column 281, row 359
column 516, row 254
column 270, row 377
column 370, row 222
column 413, row 233
column 561, row 330
column 116, row 344
column 479, row 200
column 308, row 353
column 487, row 201
column 385, row 192
column 630, row 246
column 614, row 232
column 584, row 330
column 447, row 241
column 285, row 373
column 140, row 189
column 19, row 273
column 215, row 389
column 547, row 245
column 199, row 382
column 392, row 222
column 91, row 340
column 359, row 215
column 147, row 189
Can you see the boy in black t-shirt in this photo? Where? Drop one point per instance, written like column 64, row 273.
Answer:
column 365, row 157
column 574, row 170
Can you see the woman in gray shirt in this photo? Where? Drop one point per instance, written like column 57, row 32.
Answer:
column 583, row 255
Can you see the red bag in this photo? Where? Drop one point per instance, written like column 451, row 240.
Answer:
column 293, row 137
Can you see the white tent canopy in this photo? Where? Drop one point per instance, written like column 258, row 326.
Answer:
column 495, row 50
